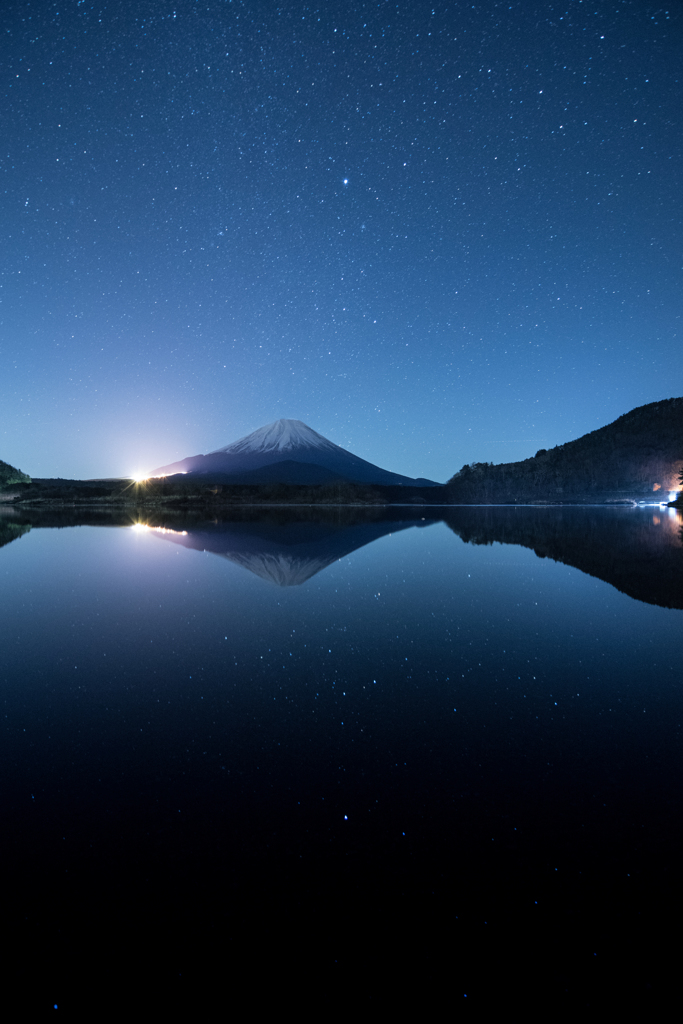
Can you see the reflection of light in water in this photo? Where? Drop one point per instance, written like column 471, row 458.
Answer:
column 140, row 527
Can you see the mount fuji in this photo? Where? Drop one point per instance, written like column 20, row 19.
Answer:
column 286, row 451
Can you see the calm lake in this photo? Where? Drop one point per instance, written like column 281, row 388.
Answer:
column 419, row 750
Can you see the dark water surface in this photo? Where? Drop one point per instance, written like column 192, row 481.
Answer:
column 432, row 755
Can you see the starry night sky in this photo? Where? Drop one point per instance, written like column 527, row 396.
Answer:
column 437, row 233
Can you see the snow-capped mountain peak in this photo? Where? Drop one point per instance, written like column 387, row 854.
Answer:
column 286, row 451
column 280, row 436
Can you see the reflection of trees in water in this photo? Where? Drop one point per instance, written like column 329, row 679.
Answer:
column 638, row 551
column 10, row 530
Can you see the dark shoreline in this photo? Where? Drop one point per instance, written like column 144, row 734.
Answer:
column 199, row 493
column 202, row 503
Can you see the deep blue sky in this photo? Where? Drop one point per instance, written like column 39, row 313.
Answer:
column 437, row 233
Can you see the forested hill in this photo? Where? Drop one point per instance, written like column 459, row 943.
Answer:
column 10, row 475
column 639, row 456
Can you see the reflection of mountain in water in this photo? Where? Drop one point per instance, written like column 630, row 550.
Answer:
column 639, row 551
column 288, row 553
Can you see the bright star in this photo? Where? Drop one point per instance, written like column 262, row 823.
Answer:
column 346, row 181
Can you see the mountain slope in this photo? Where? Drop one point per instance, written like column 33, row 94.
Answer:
column 279, row 452
column 637, row 457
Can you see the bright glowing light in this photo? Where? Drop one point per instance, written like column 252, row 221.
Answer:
column 346, row 181
column 144, row 528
